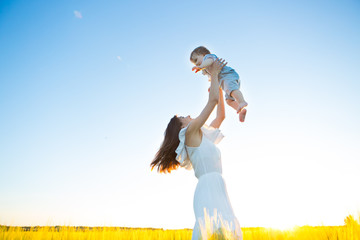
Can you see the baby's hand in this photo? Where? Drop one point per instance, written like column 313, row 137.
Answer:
column 197, row 69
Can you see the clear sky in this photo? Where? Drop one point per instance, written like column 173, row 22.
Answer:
column 87, row 89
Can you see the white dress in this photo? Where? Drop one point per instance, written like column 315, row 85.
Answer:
column 212, row 206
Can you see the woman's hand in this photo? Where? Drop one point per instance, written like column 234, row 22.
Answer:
column 216, row 67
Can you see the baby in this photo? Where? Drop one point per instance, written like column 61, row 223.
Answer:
column 228, row 79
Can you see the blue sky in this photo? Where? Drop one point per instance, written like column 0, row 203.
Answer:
column 87, row 89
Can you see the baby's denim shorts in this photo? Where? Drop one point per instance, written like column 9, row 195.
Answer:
column 229, row 81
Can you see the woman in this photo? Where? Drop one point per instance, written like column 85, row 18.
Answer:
column 191, row 144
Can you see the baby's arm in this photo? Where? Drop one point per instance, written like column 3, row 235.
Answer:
column 206, row 63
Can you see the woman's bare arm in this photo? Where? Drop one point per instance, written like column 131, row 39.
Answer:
column 193, row 133
column 220, row 114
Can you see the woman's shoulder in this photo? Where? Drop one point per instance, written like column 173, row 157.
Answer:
column 213, row 134
column 193, row 137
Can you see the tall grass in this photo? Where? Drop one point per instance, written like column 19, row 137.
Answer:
column 349, row 231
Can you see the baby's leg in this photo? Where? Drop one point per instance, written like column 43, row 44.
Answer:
column 232, row 103
column 235, row 105
column 239, row 99
column 241, row 104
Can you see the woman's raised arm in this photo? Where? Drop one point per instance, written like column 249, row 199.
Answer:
column 193, row 133
column 220, row 114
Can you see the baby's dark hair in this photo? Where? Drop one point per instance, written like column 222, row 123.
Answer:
column 200, row 51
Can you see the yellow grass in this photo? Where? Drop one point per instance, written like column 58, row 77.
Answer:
column 350, row 231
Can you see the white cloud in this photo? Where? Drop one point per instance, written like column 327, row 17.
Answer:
column 77, row 14
column 119, row 58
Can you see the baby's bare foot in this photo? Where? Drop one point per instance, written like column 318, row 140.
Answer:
column 241, row 106
column 242, row 115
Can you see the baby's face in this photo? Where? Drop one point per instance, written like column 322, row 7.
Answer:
column 197, row 59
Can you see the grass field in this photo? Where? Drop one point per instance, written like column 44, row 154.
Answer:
column 349, row 231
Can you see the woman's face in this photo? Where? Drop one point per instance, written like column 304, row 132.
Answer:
column 185, row 120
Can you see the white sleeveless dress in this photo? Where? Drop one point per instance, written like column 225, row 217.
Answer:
column 212, row 206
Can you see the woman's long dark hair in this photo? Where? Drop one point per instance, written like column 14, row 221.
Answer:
column 165, row 158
